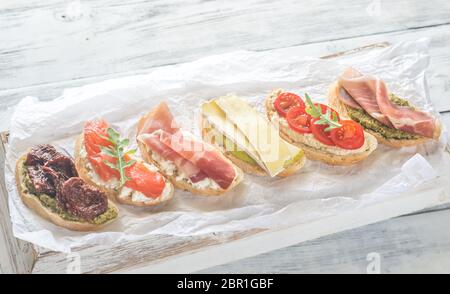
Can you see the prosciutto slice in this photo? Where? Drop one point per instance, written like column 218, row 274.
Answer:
column 159, row 118
column 196, row 159
column 372, row 95
column 202, row 155
column 345, row 98
column 405, row 118
column 363, row 91
column 153, row 140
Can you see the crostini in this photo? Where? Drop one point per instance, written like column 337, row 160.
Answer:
column 48, row 183
column 102, row 160
column 190, row 164
column 247, row 138
column 318, row 129
column 394, row 121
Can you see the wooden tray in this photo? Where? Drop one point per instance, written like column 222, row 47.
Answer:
column 163, row 253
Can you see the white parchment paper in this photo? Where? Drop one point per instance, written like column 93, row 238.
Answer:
column 316, row 192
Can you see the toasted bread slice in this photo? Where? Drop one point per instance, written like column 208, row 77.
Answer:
column 33, row 202
column 249, row 168
column 184, row 183
column 314, row 150
column 120, row 195
column 336, row 103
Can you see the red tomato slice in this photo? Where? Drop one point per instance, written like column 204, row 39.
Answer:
column 286, row 101
column 298, row 120
column 320, row 134
column 349, row 136
column 150, row 183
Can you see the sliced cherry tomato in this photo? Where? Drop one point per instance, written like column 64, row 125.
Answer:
column 349, row 136
column 286, row 101
column 298, row 120
column 320, row 134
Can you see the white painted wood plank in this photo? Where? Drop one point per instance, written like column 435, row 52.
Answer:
column 65, row 40
column 413, row 244
column 18, row 10
column 439, row 76
column 15, row 255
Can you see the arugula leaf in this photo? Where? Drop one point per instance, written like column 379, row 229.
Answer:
column 118, row 152
column 329, row 119
column 313, row 110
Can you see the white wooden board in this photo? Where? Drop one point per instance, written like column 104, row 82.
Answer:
column 115, row 38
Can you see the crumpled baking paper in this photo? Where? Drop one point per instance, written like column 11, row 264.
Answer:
column 317, row 191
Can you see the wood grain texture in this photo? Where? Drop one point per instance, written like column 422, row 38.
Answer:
column 65, row 40
column 411, row 244
column 48, row 46
column 16, row 256
column 104, row 259
column 438, row 74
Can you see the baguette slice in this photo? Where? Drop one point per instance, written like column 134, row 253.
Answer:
column 209, row 133
column 336, row 103
column 326, row 154
column 86, row 172
column 184, row 183
column 33, row 202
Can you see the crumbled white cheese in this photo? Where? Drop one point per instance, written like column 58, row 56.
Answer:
column 169, row 168
column 206, row 183
column 137, row 196
column 111, row 184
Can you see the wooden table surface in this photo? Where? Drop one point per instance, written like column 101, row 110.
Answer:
column 47, row 46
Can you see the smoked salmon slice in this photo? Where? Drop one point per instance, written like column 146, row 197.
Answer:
column 140, row 178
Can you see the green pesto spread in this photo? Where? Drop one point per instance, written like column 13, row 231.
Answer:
column 294, row 159
column 50, row 203
column 368, row 122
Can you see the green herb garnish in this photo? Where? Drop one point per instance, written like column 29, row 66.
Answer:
column 118, row 151
column 329, row 118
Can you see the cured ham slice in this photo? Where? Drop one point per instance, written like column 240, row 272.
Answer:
column 159, row 118
column 372, row 95
column 405, row 118
column 188, row 168
column 196, row 159
column 345, row 98
column 363, row 90
column 203, row 155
